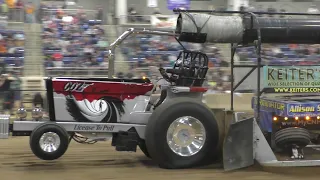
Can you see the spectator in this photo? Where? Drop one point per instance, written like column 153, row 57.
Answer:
column 271, row 10
column 3, row 67
column 7, row 95
column 3, row 48
column 100, row 14
column 282, row 11
column 130, row 76
column 19, row 4
column 132, row 14
column 15, row 86
column 10, row 3
column 41, row 11
column 242, row 8
column 157, row 11
column 93, row 61
column 11, row 10
column 29, row 13
column 4, row 9
column 18, row 14
column 38, row 101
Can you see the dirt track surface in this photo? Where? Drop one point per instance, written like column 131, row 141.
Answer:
column 100, row 161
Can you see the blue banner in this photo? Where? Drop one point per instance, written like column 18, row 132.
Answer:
column 174, row 4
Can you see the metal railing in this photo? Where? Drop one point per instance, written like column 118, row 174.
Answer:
column 14, row 15
column 89, row 14
column 15, row 69
column 134, row 19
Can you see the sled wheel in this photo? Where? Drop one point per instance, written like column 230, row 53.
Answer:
column 143, row 148
column 292, row 135
column 183, row 133
column 49, row 141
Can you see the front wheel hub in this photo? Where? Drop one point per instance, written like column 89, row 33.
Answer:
column 186, row 136
column 49, row 142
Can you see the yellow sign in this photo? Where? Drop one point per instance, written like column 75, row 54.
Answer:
column 271, row 104
column 296, row 90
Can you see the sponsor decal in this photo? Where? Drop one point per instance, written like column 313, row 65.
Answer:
column 93, row 127
column 76, row 86
column 307, row 109
column 292, row 90
column 300, row 108
column 301, row 123
column 292, row 77
column 271, row 104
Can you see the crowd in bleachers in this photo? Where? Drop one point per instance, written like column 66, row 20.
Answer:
column 11, row 63
column 291, row 54
column 12, row 47
column 17, row 10
column 143, row 51
column 72, row 40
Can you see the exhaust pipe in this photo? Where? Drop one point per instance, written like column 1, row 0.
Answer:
column 243, row 29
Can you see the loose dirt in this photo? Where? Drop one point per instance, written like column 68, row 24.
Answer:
column 100, row 161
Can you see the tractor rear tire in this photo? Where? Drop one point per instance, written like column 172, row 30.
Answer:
column 292, row 135
column 159, row 123
column 57, row 133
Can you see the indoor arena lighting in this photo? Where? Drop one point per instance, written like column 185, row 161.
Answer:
column 307, row 118
column 296, row 118
column 285, row 118
column 275, row 118
column 318, row 117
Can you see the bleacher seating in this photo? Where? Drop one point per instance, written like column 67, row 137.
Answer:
column 12, row 48
column 283, row 54
column 71, row 40
column 143, row 51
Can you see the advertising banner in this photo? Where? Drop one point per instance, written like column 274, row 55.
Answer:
column 292, row 79
column 303, row 109
column 174, row 4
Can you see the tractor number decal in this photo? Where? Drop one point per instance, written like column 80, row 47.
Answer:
column 76, row 86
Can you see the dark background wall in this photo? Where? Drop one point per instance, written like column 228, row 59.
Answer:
column 141, row 5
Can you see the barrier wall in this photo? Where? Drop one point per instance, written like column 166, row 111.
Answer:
column 242, row 101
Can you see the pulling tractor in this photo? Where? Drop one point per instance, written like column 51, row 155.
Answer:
column 177, row 130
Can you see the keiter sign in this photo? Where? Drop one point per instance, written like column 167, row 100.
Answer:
column 291, row 76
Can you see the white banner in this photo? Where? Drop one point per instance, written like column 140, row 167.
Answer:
column 152, row 3
column 162, row 21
